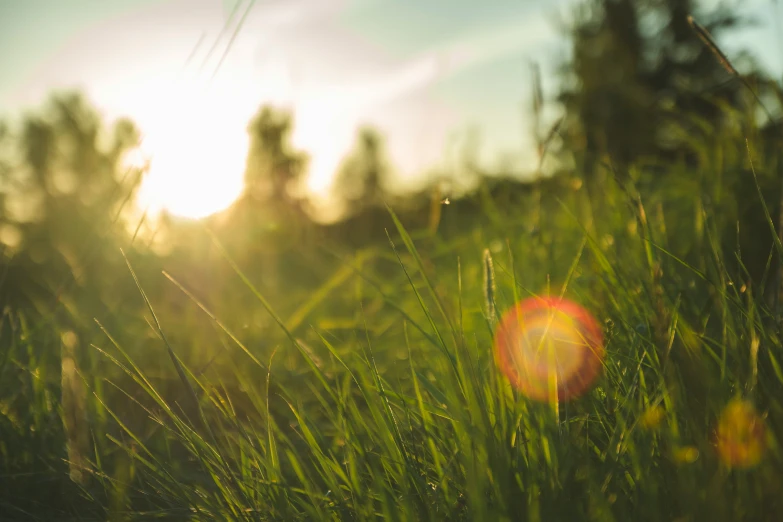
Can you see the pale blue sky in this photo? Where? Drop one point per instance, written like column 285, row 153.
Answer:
column 423, row 71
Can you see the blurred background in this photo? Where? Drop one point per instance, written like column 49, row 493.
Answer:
column 175, row 135
column 433, row 81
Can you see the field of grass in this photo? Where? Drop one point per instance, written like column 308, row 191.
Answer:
column 377, row 396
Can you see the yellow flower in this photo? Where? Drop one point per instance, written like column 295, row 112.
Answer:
column 686, row 454
column 741, row 435
column 652, row 417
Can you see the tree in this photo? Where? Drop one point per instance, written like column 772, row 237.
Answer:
column 65, row 196
column 269, row 216
column 272, row 164
column 360, row 181
column 641, row 82
column 650, row 97
column 64, row 188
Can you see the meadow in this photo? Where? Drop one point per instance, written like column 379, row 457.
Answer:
column 265, row 367
column 377, row 395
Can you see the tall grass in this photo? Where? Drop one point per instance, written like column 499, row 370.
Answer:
column 381, row 398
column 377, row 395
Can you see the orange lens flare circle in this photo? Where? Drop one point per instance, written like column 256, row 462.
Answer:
column 549, row 346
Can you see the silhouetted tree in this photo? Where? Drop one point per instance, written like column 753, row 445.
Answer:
column 641, row 82
column 649, row 97
column 64, row 187
column 360, row 181
column 269, row 216
column 272, row 165
column 66, row 193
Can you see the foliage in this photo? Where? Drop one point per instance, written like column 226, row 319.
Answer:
column 272, row 166
column 642, row 84
column 281, row 369
column 362, row 179
column 651, row 100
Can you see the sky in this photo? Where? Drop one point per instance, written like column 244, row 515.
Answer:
column 424, row 72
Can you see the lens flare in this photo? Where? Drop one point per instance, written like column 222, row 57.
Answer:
column 741, row 435
column 549, row 345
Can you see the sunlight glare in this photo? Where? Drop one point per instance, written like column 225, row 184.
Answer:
column 196, row 143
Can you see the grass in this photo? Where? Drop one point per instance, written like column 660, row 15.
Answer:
column 380, row 397
column 375, row 393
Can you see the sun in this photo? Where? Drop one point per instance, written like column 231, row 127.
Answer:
column 194, row 171
column 194, row 138
column 195, row 141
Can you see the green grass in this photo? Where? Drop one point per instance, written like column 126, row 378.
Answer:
column 362, row 384
column 376, row 396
